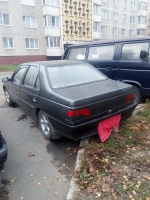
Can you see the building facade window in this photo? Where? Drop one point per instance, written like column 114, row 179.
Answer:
column 131, row 33
column 51, row 21
column 114, row 31
column 104, row 29
column 142, row 6
column 115, row 16
column 115, row 2
column 96, row 26
column 142, row 19
column 4, row 0
column 104, row 14
column 141, row 32
column 96, row 39
column 29, row 22
column 105, row 1
column 124, row 3
column 97, row 9
column 4, row 19
column 132, row 19
column 133, row 6
column 122, row 32
column 52, row 41
column 123, row 18
column 8, row 43
column 28, row 2
column 31, row 43
column 51, row 2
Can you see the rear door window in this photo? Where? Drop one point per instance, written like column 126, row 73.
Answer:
column 31, row 78
column 101, row 52
column 77, row 54
column 132, row 51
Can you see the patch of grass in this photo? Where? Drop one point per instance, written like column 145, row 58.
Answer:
column 139, row 112
column 112, row 144
column 102, row 160
column 125, row 130
column 6, row 68
column 144, row 189
column 84, row 175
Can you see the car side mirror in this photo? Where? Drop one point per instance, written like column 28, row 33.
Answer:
column 144, row 55
column 6, row 79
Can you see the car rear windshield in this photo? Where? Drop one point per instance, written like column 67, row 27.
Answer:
column 75, row 74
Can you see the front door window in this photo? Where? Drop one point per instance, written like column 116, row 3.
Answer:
column 18, row 76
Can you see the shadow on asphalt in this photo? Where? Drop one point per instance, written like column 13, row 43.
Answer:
column 5, row 105
column 63, row 153
column 4, row 194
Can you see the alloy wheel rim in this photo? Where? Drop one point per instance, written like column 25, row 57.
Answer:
column 7, row 97
column 45, row 125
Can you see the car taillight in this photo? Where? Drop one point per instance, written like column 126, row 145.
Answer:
column 129, row 98
column 77, row 114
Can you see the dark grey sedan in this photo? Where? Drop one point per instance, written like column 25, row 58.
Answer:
column 67, row 98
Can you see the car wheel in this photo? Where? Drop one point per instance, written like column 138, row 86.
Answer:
column 46, row 127
column 138, row 94
column 8, row 99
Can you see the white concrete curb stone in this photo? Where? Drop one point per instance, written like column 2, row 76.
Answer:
column 73, row 186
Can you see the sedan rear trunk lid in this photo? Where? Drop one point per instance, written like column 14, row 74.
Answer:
column 101, row 98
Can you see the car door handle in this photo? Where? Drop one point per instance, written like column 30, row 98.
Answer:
column 34, row 99
column 108, row 68
column 118, row 68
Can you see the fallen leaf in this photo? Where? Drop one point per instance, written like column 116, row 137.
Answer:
column 56, row 193
column 30, row 154
column 39, row 184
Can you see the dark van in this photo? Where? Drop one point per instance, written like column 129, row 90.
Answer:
column 125, row 60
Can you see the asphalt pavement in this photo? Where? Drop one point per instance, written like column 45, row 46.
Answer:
column 36, row 169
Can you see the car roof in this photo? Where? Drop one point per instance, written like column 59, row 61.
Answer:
column 110, row 41
column 54, row 63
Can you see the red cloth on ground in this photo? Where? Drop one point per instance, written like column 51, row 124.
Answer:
column 105, row 127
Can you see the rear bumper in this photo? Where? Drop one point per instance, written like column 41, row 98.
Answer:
column 3, row 153
column 88, row 128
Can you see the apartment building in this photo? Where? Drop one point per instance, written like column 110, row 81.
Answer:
column 21, row 31
column 32, row 30
column 123, row 18
column 96, row 20
column 148, row 21
column 142, row 17
column 52, row 25
column 76, row 21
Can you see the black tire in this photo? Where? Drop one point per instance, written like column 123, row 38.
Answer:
column 8, row 99
column 46, row 127
column 138, row 94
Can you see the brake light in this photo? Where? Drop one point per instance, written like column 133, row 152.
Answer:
column 75, row 114
column 129, row 98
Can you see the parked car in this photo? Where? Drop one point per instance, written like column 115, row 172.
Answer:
column 67, row 98
column 3, row 151
column 125, row 60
